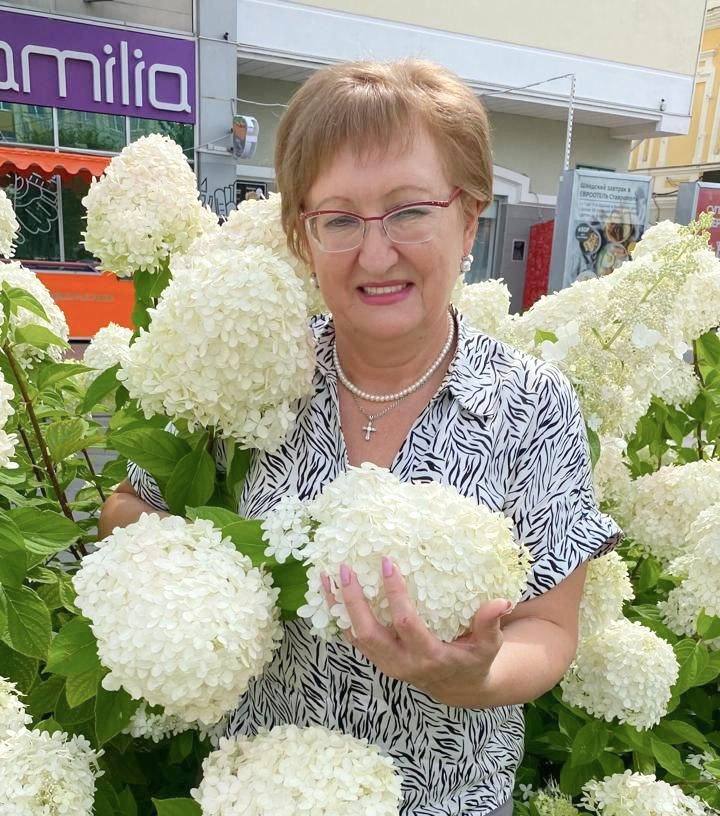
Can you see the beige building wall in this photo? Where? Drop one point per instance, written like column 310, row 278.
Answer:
column 604, row 29
column 171, row 15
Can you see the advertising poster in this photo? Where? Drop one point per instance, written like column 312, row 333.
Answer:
column 600, row 218
column 698, row 197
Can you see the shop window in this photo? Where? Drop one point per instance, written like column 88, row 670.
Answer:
column 35, row 200
column 73, row 190
column 178, row 132
column 91, row 131
column 26, row 124
column 491, row 226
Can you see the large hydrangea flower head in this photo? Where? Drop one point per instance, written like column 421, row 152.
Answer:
column 667, row 502
column 607, row 587
column 17, row 276
column 144, row 208
column 613, row 485
column 8, row 441
column 47, row 774
column 9, row 226
column 12, row 710
column 182, row 619
column 289, row 770
column 700, row 589
column 453, row 553
column 624, row 671
column 622, row 339
column 635, row 794
column 485, row 306
column 228, row 346
column 256, row 222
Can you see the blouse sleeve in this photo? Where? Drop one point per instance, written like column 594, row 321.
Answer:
column 550, row 496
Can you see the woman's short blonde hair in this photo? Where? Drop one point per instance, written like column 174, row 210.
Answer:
column 369, row 106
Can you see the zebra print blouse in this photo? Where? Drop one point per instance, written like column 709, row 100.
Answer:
column 503, row 428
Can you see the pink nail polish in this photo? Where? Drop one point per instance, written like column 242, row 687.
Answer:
column 387, row 566
column 325, row 580
column 344, row 575
column 508, row 610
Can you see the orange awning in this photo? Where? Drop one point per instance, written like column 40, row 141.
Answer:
column 47, row 163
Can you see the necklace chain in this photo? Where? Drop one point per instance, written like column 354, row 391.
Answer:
column 405, row 392
column 370, row 427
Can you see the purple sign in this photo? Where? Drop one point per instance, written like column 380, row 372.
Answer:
column 96, row 68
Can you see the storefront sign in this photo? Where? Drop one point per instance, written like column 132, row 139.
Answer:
column 698, row 197
column 96, row 68
column 600, row 217
column 245, row 136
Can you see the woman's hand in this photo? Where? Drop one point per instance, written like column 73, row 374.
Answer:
column 509, row 655
column 408, row 651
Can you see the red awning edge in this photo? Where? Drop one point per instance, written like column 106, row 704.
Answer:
column 47, row 163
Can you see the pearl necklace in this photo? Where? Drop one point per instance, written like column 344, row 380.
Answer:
column 411, row 389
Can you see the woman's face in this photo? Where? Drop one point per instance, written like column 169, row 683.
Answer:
column 383, row 290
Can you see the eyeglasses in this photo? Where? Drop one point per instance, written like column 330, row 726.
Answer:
column 340, row 231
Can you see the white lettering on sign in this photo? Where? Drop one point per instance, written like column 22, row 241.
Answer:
column 138, row 80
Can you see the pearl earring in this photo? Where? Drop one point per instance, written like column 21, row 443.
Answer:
column 313, row 279
column 466, row 263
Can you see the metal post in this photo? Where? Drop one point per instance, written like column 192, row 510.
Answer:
column 569, row 129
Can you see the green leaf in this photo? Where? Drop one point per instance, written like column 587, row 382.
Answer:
column 667, row 756
column 45, row 532
column 68, row 715
column 675, row 732
column 181, row 747
column 21, row 298
column 43, row 699
column 192, row 481
column 649, row 572
column 708, row 626
column 74, row 649
column 177, row 807
column 13, row 560
column 27, row 627
column 291, row 578
column 67, row 436
column 152, row 449
column 589, row 743
column 573, row 777
column 38, row 336
column 541, row 336
column 99, row 388
column 245, row 534
column 113, row 712
column 18, row 668
column 594, row 444
column 238, row 466
column 127, row 803
column 54, row 373
column 83, row 686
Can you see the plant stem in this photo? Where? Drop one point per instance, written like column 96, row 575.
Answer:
column 698, row 374
column 44, row 452
column 93, row 474
column 36, row 469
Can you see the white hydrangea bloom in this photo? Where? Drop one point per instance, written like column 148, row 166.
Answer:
column 12, row 710
column 8, row 441
column 613, row 485
column 554, row 803
column 291, row 770
column 257, row 222
column 47, row 774
column 621, row 338
column 145, row 207
column 228, row 346
column 453, row 553
column 655, row 238
column 607, row 587
column 635, row 794
column 16, row 275
column 182, row 619
column 701, row 588
column 9, row 226
column 109, row 346
column 146, row 724
column 667, row 503
column 485, row 305
column 625, row 671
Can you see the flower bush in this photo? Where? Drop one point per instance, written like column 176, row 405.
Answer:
column 139, row 589
column 453, row 553
column 290, row 770
column 635, row 794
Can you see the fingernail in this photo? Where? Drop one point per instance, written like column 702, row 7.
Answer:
column 325, row 580
column 508, row 609
column 344, row 575
column 387, row 566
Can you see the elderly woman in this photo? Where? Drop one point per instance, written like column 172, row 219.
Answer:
column 384, row 170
